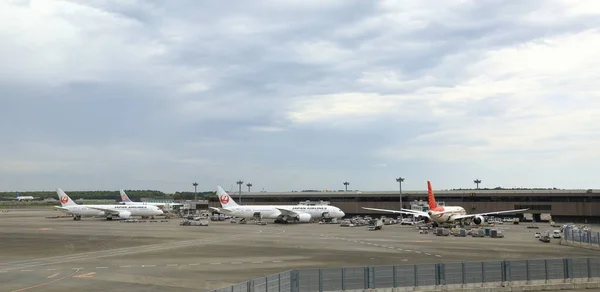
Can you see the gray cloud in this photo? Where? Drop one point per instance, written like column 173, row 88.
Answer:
column 296, row 94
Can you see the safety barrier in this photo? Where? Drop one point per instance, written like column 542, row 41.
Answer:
column 581, row 236
column 449, row 275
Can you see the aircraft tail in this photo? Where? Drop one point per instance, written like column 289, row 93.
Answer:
column 226, row 200
column 17, row 196
column 431, row 197
column 65, row 200
column 124, row 197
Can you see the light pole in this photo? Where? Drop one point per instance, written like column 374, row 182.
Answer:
column 195, row 184
column 249, row 185
column 239, row 182
column 346, row 185
column 400, row 180
column 477, row 182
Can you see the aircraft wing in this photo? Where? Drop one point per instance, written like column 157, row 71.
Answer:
column 402, row 211
column 221, row 210
column 107, row 211
column 288, row 212
column 487, row 213
column 62, row 208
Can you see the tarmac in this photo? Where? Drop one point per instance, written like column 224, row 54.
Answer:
column 40, row 254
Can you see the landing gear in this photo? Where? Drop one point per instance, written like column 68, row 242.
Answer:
column 76, row 218
column 109, row 218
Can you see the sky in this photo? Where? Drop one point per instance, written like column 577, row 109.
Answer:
column 298, row 94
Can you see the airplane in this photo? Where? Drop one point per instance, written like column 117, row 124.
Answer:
column 125, row 200
column 444, row 214
column 23, row 198
column 281, row 213
column 109, row 211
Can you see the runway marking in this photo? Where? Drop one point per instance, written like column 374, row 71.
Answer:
column 101, row 267
column 417, row 251
column 87, row 275
column 409, row 250
column 150, row 266
column 236, row 263
column 257, row 262
column 215, row 263
column 43, row 284
column 437, row 255
column 193, row 264
column 172, row 265
column 427, row 253
column 76, row 268
column 277, row 261
column 124, row 266
column 50, row 269
column 26, row 270
column 52, row 276
column 43, row 229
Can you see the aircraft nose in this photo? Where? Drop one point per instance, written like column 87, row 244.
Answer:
column 342, row 213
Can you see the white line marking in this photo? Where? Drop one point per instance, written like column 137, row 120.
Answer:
column 277, row 261
column 172, row 265
column 417, row 251
column 77, row 269
column 124, row 266
column 193, row 264
column 437, row 255
column 50, row 269
column 215, row 263
column 427, row 253
column 143, row 266
column 400, row 249
column 390, row 247
column 101, row 267
column 236, row 263
column 257, row 262
column 408, row 250
column 26, row 270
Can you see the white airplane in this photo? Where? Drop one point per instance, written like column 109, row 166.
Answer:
column 281, row 213
column 125, row 200
column 24, row 198
column 108, row 211
column 445, row 214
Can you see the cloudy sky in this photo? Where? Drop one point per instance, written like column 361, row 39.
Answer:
column 298, row 94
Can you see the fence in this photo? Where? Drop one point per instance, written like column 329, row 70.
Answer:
column 573, row 234
column 459, row 273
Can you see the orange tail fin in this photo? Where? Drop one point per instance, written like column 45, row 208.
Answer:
column 431, row 197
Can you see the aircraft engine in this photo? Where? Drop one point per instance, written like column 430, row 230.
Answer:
column 125, row 215
column 304, row 218
column 478, row 220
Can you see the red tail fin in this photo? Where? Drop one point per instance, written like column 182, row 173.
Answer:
column 430, row 197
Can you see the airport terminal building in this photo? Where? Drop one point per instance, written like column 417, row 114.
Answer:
column 561, row 204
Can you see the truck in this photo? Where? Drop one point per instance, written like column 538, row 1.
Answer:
column 375, row 224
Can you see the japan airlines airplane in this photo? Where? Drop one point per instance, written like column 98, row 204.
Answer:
column 445, row 214
column 125, row 200
column 108, row 211
column 281, row 213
